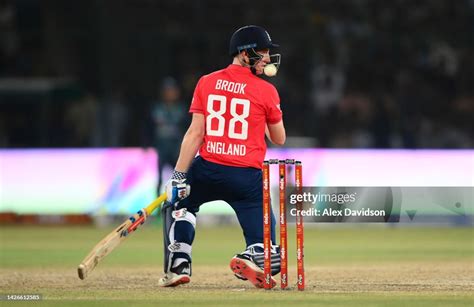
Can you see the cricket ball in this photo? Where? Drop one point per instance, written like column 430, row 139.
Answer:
column 270, row 70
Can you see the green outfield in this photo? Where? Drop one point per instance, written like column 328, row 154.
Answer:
column 345, row 266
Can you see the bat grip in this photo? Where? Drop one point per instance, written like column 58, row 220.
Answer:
column 145, row 213
column 151, row 207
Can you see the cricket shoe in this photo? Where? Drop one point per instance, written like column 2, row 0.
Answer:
column 244, row 268
column 176, row 276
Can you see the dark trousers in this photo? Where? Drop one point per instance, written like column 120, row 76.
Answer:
column 240, row 187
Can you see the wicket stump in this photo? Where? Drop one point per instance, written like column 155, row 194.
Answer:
column 267, row 207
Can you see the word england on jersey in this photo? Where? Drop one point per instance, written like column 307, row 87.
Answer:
column 226, row 149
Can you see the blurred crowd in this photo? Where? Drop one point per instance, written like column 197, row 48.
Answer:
column 395, row 74
column 354, row 74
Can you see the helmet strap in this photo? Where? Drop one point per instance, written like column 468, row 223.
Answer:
column 253, row 58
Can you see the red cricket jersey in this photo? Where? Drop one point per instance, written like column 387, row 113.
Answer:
column 237, row 106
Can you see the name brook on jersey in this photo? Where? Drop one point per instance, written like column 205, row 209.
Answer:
column 226, row 149
column 232, row 87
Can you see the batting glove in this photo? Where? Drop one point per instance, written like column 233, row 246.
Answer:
column 177, row 189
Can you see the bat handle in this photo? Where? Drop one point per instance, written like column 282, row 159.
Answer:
column 143, row 214
column 137, row 223
column 151, row 207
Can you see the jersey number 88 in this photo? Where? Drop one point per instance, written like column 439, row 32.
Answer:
column 236, row 118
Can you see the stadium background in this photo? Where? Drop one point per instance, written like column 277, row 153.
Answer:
column 354, row 73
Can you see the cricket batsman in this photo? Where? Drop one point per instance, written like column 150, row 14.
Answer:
column 233, row 109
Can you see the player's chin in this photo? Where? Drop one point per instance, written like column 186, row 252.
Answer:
column 259, row 71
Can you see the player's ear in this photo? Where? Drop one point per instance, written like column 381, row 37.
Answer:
column 245, row 56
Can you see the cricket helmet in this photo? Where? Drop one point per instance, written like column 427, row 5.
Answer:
column 250, row 37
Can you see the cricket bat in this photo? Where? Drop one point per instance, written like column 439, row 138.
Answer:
column 112, row 240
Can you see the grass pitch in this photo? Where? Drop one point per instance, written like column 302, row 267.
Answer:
column 356, row 266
